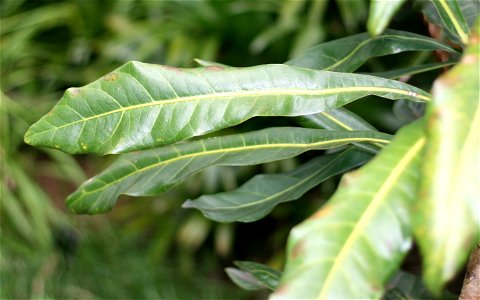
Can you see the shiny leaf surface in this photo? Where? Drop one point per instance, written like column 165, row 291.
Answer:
column 352, row 246
column 448, row 213
column 258, row 196
column 151, row 172
column 140, row 106
column 349, row 53
column 340, row 119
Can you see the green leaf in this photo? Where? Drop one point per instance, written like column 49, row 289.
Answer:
column 245, row 279
column 151, row 172
column 453, row 18
column 381, row 12
column 340, row 119
column 349, row 53
column 140, row 106
column 264, row 274
column 258, row 196
column 448, row 214
column 469, row 12
column 406, row 286
column 412, row 70
column 352, row 246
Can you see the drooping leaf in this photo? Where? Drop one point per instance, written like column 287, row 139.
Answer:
column 381, row 12
column 340, row 119
column 151, row 172
column 140, row 106
column 267, row 276
column 352, row 246
column 258, row 196
column 349, row 53
column 448, row 213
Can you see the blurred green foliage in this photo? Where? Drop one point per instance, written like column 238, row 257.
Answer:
column 146, row 248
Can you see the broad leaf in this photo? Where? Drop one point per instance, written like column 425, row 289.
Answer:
column 140, row 106
column 351, row 247
column 448, row 213
column 151, row 172
column 340, row 119
column 258, row 196
column 264, row 274
column 349, row 53
column 380, row 14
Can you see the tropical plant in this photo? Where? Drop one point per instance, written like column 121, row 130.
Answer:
column 419, row 185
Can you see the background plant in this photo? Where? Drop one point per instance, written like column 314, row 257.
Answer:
column 364, row 47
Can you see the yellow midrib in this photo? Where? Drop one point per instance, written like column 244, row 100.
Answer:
column 366, row 216
column 463, row 35
column 261, row 93
column 238, row 149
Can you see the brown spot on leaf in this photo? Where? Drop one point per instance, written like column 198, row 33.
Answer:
column 322, row 212
column 175, row 69
column 215, row 68
column 110, row 77
column 298, row 249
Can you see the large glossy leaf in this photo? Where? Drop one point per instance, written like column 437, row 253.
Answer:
column 154, row 171
column 380, row 14
column 351, row 247
column 348, row 54
column 140, row 106
column 258, row 196
column 412, row 70
column 448, row 213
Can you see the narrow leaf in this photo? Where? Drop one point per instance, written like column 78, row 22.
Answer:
column 244, row 279
column 349, row 53
column 352, row 246
column 453, row 18
column 258, row 196
column 151, row 172
column 380, row 14
column 340, row 119
column 448, row 213
column 266, row 275
column 140, row 106
column 412, row 70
